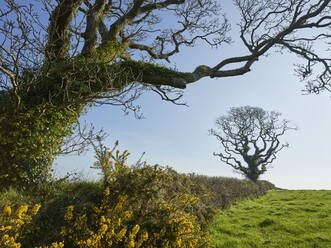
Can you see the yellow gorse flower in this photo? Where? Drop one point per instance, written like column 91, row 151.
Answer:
column 7, row 211
column 135, row 230
column 10, row 233
column 130, row 244
column 35, row 209
column 107, row 192
column 122, row 233
column 5, row 228
column 54, row 245
column 19, row 213
column 144, row 236
column 103, row 229
column 68, row 215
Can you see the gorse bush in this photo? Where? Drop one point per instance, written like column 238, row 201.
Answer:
column 102, row 226
column 150, row 187
column 13, row 224
column 163, row 202
column 110, row 225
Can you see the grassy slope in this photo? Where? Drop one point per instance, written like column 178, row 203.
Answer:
column 282, row 219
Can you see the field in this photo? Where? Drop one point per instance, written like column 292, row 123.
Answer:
column 279, row 219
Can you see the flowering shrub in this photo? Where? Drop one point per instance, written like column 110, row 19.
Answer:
column 163, row 202
column 103, row 226
column 111, row 226
column 13, row 224
column 138, row 209
column 149, row 186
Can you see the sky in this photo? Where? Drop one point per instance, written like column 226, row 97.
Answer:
column 177, row 136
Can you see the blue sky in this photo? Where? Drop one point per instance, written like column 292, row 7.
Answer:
column 178, row 136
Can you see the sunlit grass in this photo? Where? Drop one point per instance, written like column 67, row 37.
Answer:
column 280, row 219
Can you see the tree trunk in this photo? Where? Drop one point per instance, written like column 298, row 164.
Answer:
column 30, row 137
column 253, row 172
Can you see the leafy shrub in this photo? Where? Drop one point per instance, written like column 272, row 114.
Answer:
column 226, row 191
column 30, row 140
column 48, row 223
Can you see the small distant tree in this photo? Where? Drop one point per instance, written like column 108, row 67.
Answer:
column 250, row 139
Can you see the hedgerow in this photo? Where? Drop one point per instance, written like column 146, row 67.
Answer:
column 133, row 206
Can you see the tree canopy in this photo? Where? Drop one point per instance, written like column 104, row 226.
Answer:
column 111, row 51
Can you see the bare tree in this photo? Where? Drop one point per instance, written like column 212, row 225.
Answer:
column 57, row 57
column 250, row 139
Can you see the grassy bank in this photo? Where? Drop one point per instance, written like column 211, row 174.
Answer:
column 280, row 219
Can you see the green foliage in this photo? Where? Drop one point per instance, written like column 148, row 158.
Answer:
column 280, row 219
column 108, row 51
column 51, row 100
column 29, row 141
column 141, row 67
column 31, row 132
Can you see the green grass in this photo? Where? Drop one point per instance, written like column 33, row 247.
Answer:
column 280, row 219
